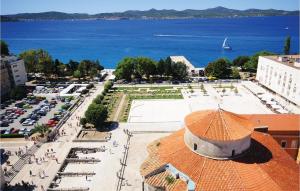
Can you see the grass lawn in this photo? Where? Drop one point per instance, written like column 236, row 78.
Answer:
column 114, row 96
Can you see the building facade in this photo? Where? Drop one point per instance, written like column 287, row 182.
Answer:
column 13, row 73
column 281, row 74
column 5, row 79
column 17, row 68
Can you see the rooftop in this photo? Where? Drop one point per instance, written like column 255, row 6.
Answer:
column 288, row 60
column 276, row 122
column 218, row 125
column 264, row 167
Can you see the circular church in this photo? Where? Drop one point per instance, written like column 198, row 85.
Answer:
column 217, row 134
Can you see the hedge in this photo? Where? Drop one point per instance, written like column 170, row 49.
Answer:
column 11, row 136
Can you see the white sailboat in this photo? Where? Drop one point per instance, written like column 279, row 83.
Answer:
column 225, row 45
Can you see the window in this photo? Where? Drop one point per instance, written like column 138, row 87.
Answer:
column 195, row 146
column 294, row 144
column 283, row 143
column 233, row 153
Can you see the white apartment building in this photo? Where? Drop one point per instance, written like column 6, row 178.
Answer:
column 281, row 74
column 16, row 68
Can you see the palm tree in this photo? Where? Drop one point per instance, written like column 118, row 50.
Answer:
column 42, row 129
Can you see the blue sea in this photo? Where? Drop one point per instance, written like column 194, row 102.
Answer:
column 200, row 40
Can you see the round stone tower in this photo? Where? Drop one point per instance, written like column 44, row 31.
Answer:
column 217, row 134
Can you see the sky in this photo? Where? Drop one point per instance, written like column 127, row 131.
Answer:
column 101, row 6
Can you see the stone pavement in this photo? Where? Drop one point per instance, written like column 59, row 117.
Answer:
column 61, row 148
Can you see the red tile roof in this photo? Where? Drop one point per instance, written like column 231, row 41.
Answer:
column 276, row 122
column 264, row 167
column 218, row 125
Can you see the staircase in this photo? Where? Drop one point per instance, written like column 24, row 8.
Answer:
column 17, row 167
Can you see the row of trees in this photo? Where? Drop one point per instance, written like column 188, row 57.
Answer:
column 249, row 63
column 97, row 112
column 40, row 61
column 224, row 68
column 142, row 67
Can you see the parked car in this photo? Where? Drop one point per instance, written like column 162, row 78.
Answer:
column 14, row 131
column 34, row 117
column 28, row 122
column 4, row 124
column 22, row 120
column 22, row 131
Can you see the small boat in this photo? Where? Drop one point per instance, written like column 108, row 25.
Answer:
column 286, row 28
column 225, row 45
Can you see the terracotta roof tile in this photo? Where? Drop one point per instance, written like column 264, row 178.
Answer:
column 264, row 167
column 276, row 122
column 218, row 125
column 159, row 180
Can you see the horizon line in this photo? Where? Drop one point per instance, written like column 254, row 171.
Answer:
column 145, row 10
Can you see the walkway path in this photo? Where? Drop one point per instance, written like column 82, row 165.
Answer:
column 119, row 109
column 61, row 148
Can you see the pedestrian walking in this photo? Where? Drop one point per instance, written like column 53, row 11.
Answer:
column 56, row 160
column 30, row 172
column 86, row 178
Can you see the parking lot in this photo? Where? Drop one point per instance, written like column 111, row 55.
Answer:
column 20, row 117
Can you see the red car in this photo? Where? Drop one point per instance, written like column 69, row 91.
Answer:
column 51, row 123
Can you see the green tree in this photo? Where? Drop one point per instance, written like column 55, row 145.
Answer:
column 160, row 67
column 71, row 67
column 287, row 45
column 144, row 67
column 125, row 69
column 30, row 58
column 235, row 73
column 219, row 69
column 93, row 72
column 83, row 121
column 240, row 61
column 98, row 99
column 77, row 74
column 168, row 67
column 59, row 68
column 62, row 70
column 4, row 48
column 251, row 65
column 45, row 63
column 179, row 71
column 96, row 114
column 108, row 85
column 42, row 129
